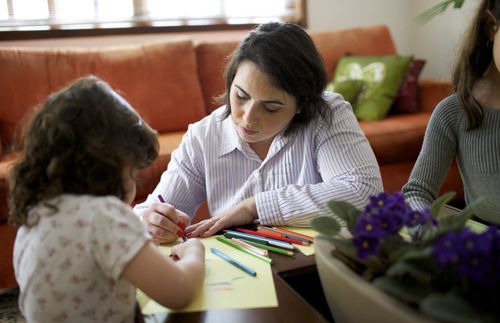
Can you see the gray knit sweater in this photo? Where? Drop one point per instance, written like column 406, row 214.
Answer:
column 477, row 152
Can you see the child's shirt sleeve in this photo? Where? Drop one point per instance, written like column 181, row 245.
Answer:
column 117, row 235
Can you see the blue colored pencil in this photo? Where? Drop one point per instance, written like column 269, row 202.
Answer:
column 234, row 262
column 258, row 239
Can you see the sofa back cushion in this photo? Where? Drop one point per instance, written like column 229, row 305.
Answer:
column 360, row 41
column 158, row 79
column 212, row 58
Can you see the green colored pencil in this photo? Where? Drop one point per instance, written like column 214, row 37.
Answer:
column 237, row 246
column 270, row 248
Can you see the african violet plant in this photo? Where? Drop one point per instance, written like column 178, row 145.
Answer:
column 444, row 269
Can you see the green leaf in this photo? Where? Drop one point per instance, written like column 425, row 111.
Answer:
column 393, row 244
column 458, row 4
column 457, row 221
column 428, row 233
column 440, row 202
column 413, row 253
column 441, row 7
column 406, row 289
column 346, row 211
column 344, row 246
column 402, row 268
column 326, row 225
column 449, row 307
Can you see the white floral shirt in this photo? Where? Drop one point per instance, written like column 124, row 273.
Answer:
column 69, row 264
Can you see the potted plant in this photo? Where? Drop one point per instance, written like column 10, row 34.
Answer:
column 388, row 263
column 438, row 9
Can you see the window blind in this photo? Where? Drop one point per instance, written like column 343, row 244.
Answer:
column 90, row 14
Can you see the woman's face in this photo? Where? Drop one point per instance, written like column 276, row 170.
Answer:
column 496, row 48
column 129, row 176
column 259, row 110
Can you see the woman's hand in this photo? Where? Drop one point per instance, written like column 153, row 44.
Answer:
column 164, row 222
column 242, row 213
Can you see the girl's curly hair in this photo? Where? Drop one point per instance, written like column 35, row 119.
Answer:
column 79, row 142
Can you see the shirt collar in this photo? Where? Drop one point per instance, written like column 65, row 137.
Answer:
column 229, row 139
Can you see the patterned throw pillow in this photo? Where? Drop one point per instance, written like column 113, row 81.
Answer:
column 382, row 77
column 406, row 100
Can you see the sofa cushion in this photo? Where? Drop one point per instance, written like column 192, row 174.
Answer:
column 349, row 89
column 406, row 99
column 158, row 79
column 150, row 176
column 5, row 166
column 212, row 58
column 382, row 77
column 397, row 138
column 362, row 41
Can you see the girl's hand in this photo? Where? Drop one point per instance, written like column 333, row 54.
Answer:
column 164, row 222
column 189, row 247
column 243, row 213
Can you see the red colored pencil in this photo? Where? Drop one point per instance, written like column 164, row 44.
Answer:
column 265, row 234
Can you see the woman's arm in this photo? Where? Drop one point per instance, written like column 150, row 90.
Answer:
column 438, row 151
column 182, row 186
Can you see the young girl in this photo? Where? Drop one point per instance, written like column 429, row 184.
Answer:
column 80, row 249
column 466, row 125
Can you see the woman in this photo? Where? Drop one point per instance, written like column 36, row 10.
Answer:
column 466, row 125
column 277, row 151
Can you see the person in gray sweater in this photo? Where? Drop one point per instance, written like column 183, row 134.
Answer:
column 466, row 125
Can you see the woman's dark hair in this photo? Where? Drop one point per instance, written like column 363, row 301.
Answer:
column 475, row 58
column 287, row 55
column 79, row 142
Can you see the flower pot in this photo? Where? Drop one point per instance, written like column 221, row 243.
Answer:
column 352, row 299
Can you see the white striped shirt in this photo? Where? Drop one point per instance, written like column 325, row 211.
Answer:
column 301, row 173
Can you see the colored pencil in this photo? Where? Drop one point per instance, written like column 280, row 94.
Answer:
column 294, row 233
column 234, row 262
column 271, row 248
column 245, row 244
column 287, row 235
column 273, row 236
column 240, row 248
column 259, row 239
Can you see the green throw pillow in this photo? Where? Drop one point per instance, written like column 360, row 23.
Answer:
column 349, row 89
column 382, row 77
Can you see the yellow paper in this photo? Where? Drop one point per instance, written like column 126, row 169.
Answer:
column 225, row 286
column 306, row 250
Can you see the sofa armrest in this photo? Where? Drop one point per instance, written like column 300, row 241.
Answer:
column 431, row 92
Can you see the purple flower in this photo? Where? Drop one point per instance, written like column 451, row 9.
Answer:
column 369, row 227
column 390, row 209
column 366, row 246
column 474, row 255
column 420, row 217
column 445, row 249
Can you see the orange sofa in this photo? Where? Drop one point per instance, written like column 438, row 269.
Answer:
column 172, row 84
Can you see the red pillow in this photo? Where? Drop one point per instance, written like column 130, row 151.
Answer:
column 406, row 99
